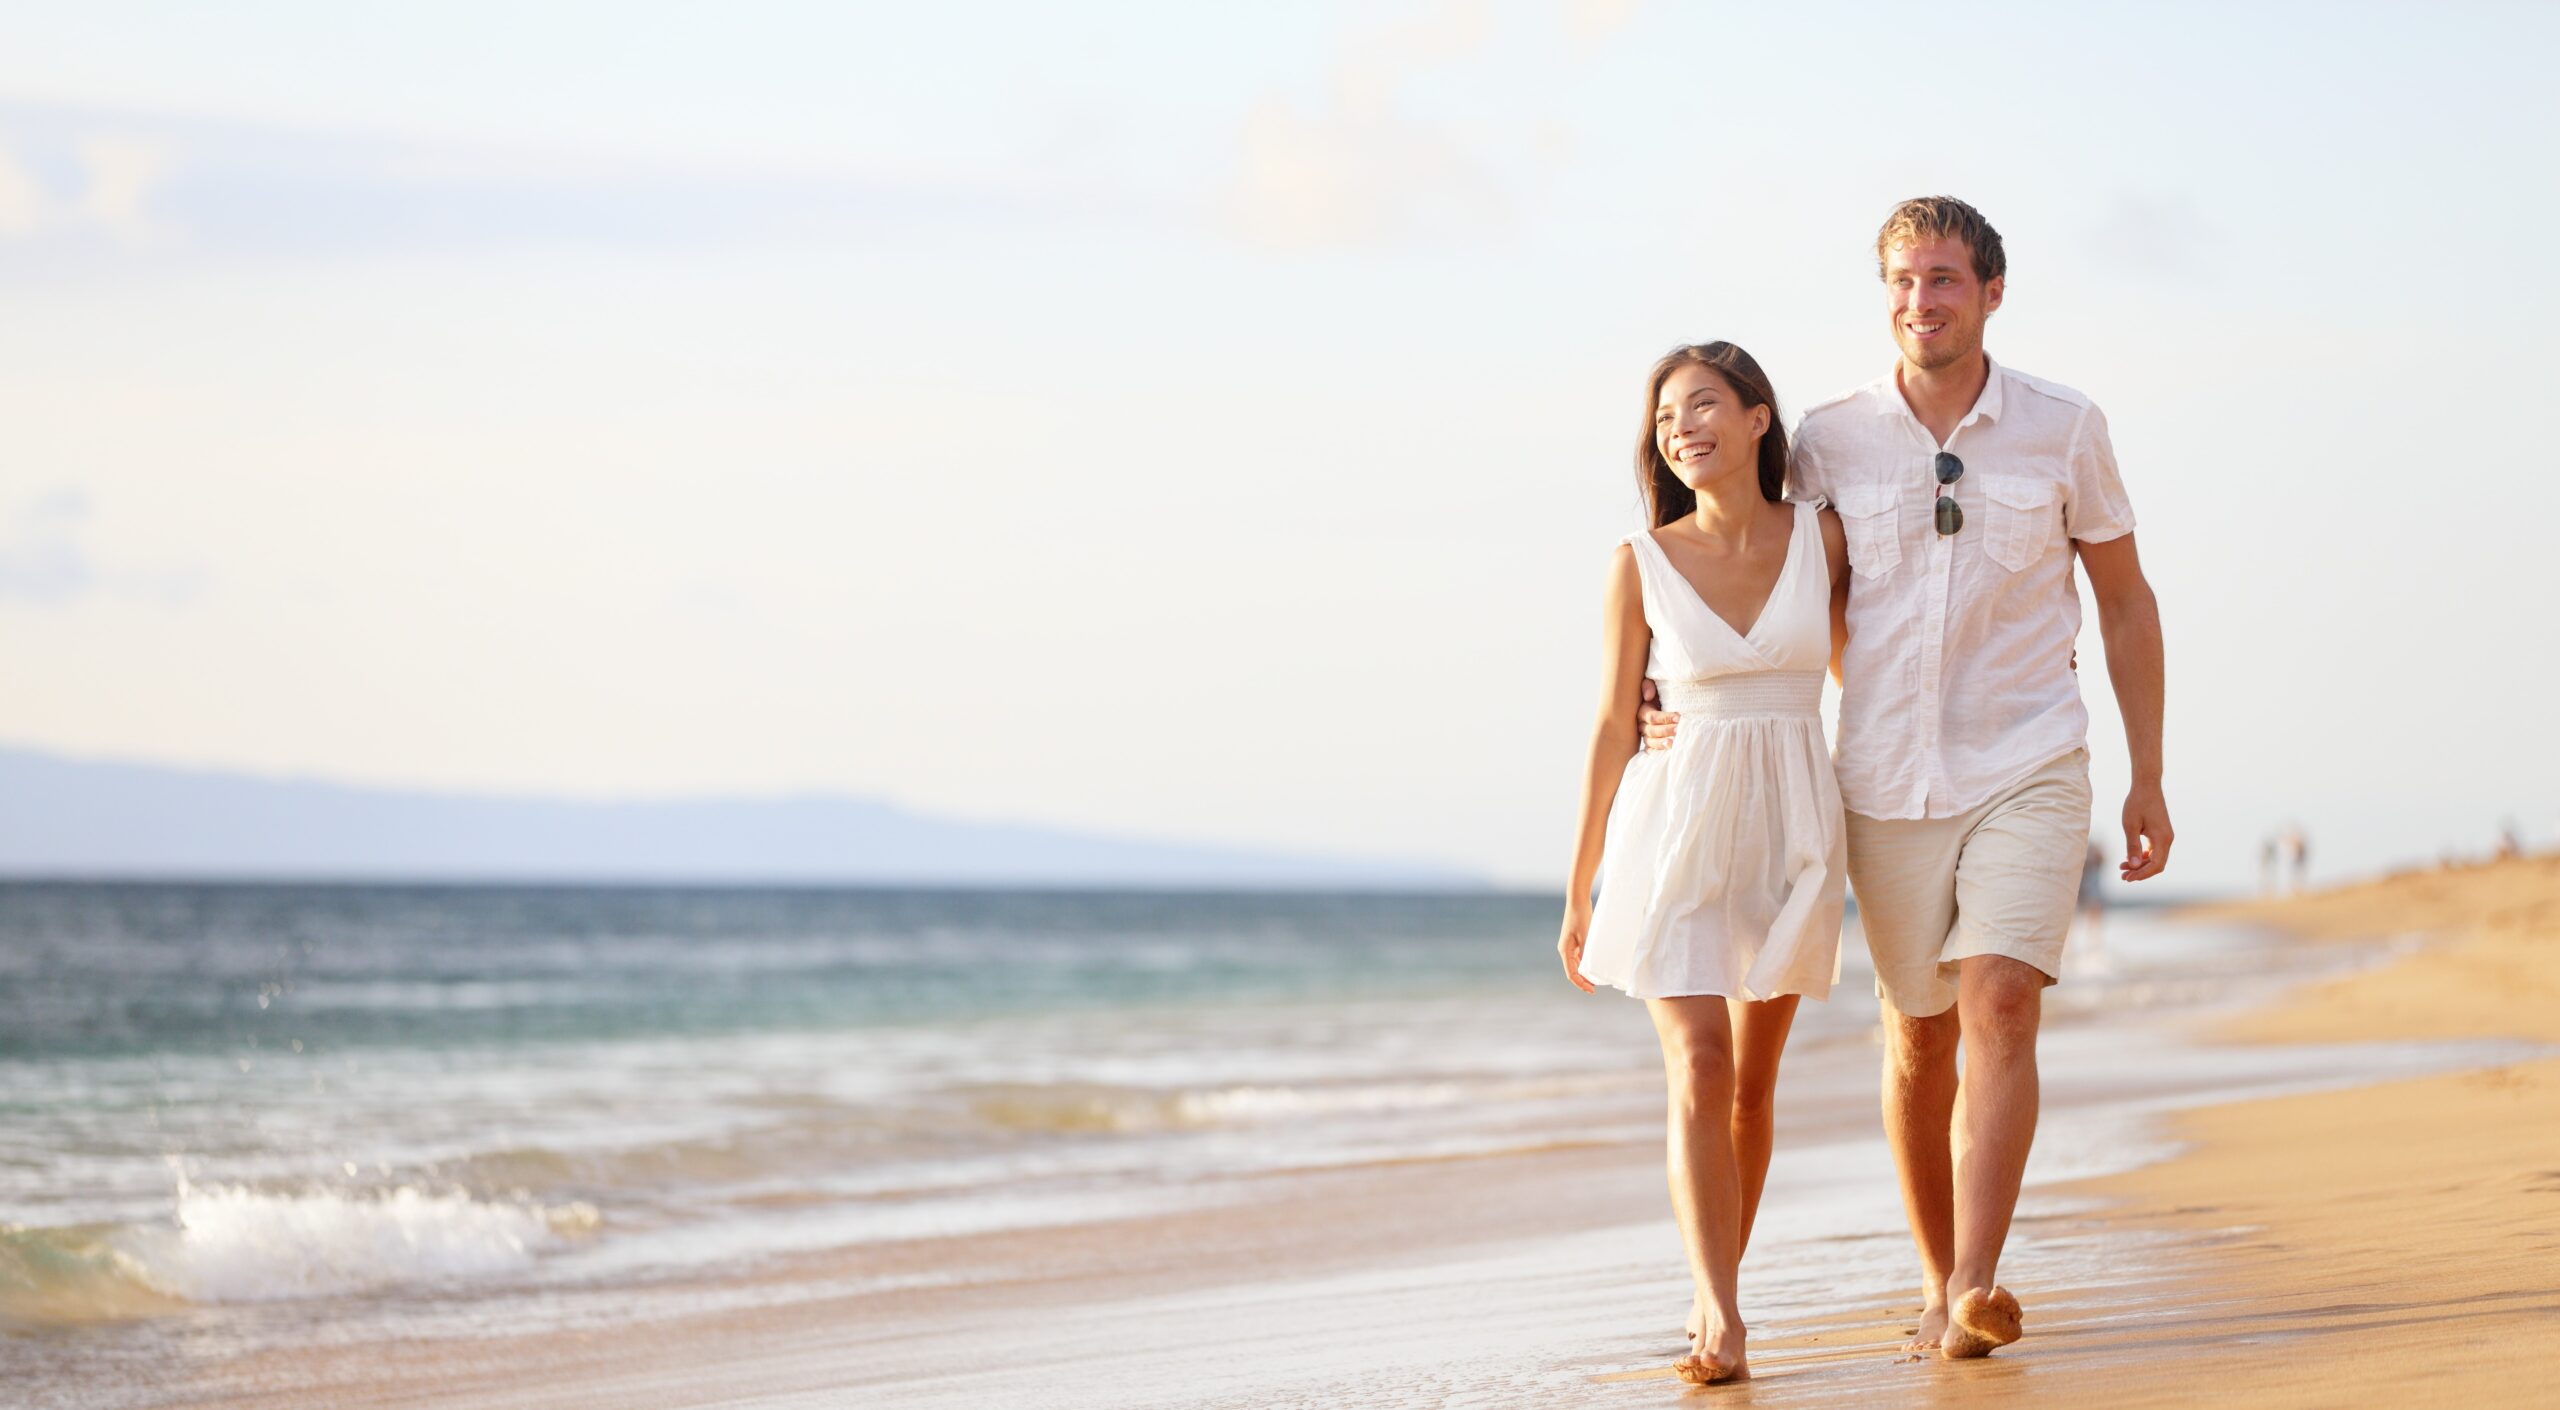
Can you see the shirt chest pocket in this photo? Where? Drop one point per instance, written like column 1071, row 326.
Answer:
column 2020, row 517
column 1871, row 521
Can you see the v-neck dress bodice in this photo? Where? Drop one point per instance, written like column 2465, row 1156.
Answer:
column 1725, row 864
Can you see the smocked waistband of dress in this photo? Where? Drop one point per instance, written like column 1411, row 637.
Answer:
column 1746, row 694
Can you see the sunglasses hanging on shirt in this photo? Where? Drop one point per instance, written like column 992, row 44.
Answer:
column 1950, row 514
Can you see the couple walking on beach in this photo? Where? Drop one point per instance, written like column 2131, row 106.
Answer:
column 1926, row 558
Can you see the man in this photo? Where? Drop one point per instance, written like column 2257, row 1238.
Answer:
column 1967, row 490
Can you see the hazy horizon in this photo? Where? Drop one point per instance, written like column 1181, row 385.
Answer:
column 96, row 820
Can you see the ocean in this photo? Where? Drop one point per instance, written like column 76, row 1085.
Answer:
column 228, row 1096
column 244, row 1117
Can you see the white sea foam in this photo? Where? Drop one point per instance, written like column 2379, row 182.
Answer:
column 236, row 1244
column 1226, row 1105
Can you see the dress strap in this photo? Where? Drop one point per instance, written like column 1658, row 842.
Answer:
column 1646, row 550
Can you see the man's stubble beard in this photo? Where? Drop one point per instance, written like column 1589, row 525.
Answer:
column 1947, row 353
column 1944, row 355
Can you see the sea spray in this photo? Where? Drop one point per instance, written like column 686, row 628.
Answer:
column 231, row 1243
column 227, row 1243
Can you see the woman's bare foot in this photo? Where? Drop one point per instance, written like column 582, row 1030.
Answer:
column 1717, row 1357
column 1931, row 1332
column 1981, row 1321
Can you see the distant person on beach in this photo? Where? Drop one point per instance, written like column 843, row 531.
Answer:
column 1968, row 491
column 2090, row 928
column 1720, row 860
column 2294, row 849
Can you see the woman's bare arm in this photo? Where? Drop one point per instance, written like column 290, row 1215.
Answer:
column 1626, row 642
column 1835, row 547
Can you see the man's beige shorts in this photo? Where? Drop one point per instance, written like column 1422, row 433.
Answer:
column 2000, row 880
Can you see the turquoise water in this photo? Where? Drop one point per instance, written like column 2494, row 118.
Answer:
column 101, row 970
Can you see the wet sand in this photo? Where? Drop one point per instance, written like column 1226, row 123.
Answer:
column 2394, row 1240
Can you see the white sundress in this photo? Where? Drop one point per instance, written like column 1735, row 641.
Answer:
column 1725, row 861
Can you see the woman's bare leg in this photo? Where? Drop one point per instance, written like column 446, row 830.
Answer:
column 1706, row 1184
column 1759, row 1039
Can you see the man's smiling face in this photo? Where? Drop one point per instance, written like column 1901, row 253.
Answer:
column 1937, row 303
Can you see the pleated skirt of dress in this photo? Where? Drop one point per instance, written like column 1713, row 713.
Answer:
column 1725, row 866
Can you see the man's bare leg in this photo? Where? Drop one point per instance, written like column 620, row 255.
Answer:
column 1919, row 1110
column 2001, row 1001
column 1706, row 1186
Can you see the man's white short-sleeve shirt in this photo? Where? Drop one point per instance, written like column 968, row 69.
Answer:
column 1957, row 678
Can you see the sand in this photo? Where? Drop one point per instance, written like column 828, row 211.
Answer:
column 2395, row 1243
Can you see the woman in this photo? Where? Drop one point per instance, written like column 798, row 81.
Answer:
column 1720, row 859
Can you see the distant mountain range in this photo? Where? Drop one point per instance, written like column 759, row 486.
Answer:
column 87, row 818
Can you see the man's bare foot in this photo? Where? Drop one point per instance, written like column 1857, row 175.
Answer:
column 1980, row 1322
column 1707, row 1371
column 1931, row 1331
column 1715, row 1353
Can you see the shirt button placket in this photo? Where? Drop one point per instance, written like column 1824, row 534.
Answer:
column 1933, row 641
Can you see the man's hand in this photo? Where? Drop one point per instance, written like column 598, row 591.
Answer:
column 2147, row 833
column 1657, row 725
column 2129, row 623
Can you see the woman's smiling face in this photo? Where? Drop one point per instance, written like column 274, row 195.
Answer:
column 1702, row 428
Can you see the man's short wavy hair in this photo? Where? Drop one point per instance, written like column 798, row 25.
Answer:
column 1927, row 218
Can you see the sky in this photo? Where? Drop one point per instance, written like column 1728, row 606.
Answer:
column 1211, row 422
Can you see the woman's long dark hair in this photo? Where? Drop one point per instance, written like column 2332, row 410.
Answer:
column 1665, row 498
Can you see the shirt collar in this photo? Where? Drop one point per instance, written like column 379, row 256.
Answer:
column 1986, row 407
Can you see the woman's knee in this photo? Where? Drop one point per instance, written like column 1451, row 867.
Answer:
column 1755, row 1094
column 1701, row 1070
